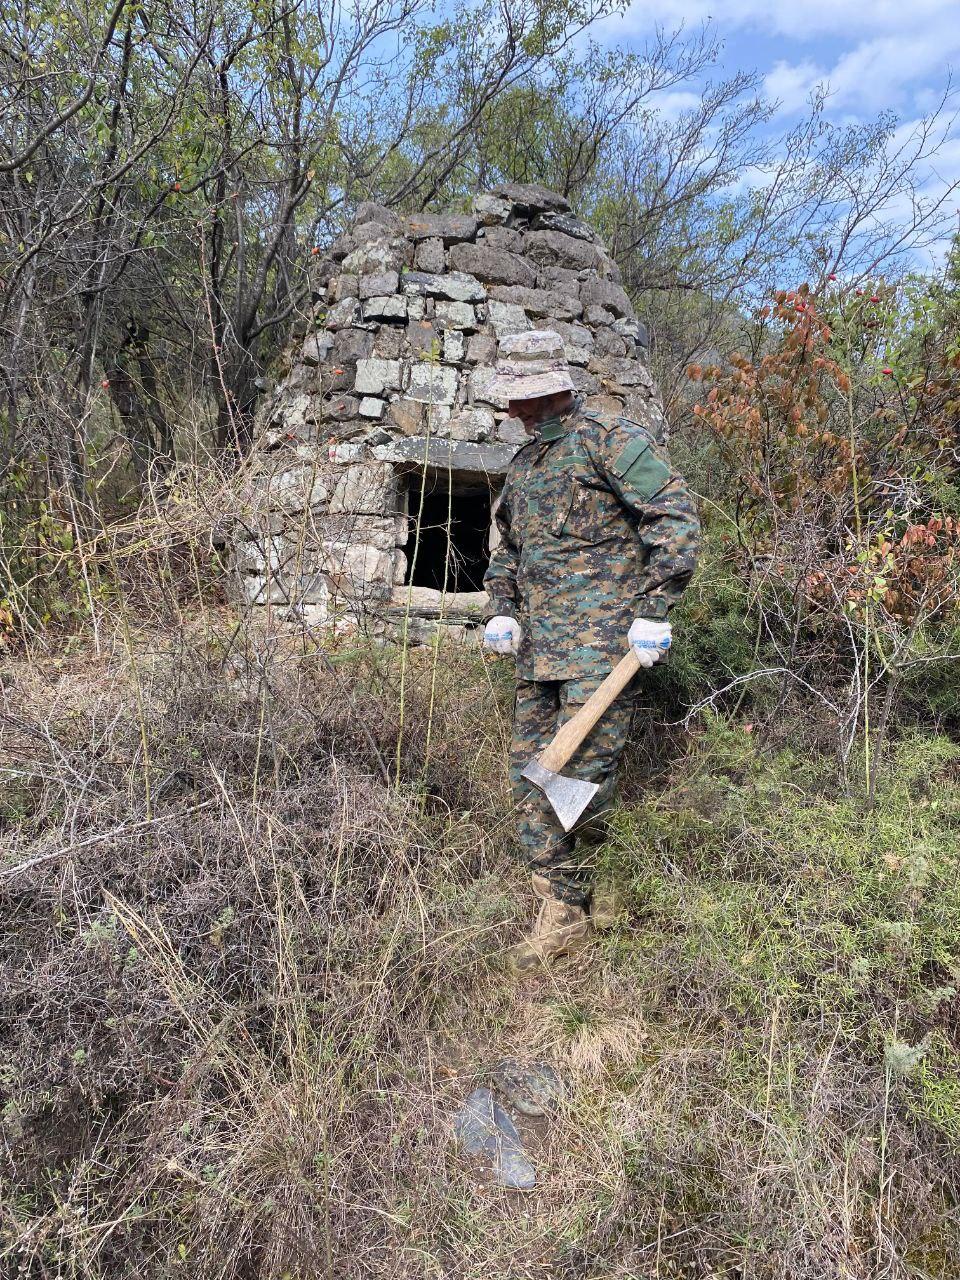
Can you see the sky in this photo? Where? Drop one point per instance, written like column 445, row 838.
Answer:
column 873, row 56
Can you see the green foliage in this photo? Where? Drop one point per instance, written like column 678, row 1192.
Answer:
column 716, row 628
column 775, row 884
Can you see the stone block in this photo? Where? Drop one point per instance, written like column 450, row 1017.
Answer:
column 502, row 238
column 385, row 309
column 316, row 347
column 363, row 232
column 455, row 286
column 471, row 424
column 629, row 372
column 359, row 570
column 364, row 489
column 345, row 452
column 529, row 198
column 372, row 531
column 338, row 377
column 437, row 418
column 568, row 223
column 381, row 254
column 343, row 313
column 493, row 266
column 371, row 407
column 507, row 317
column 389, row 342
column 379, row 284
column 597, row 315
column 604, row 293
column 257, row 589
column 609, row 343
column 577, row 355
column 375, row 377
column 454, row 346
column 407, row 415
column 481, row 349
column 446, row 227
column 339, row 408
column 556, row 249
column 554, row 304
column 261, row 554
column 552, row 277
column 584, row 382
column 428, row 256
column 635, row 331
column 368, row 211
column 577, row 335
column 491, row 210
column 351, row 345
column 294, row 488
column 432, row 383
column 480, row 387
column 512, row 431
column 422, row 338
column 455, row 315
column 315, row 614
column 343, row 286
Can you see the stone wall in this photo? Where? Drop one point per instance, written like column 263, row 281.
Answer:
column 394, row 377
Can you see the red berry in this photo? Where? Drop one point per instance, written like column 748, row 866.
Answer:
column 875, row 298
column 859, row 293
column 314, row 250
column 887, row 371
column 105, row 383
column 832, row 275
column 176, row 186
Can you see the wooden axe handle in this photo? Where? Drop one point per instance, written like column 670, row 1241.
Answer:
column 569, row 736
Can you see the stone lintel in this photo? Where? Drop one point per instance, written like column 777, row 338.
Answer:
column 490, row 460
column 426, row 602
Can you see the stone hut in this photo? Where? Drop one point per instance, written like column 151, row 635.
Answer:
column 380, row 457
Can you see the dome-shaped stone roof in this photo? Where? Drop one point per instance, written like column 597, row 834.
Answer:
column 394, row 380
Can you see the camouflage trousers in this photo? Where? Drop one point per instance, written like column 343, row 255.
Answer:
column 542, row 706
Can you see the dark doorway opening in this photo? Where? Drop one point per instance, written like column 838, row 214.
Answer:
column 452, row 550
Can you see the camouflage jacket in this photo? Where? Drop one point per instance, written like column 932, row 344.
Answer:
column 596, row 529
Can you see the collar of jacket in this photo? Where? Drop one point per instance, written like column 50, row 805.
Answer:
column 551, row 429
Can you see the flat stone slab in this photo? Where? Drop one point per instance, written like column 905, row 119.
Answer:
column 528, row 196
column 455, row 286
column 448, row 227
column 427, row 602
column 482, row 1127
column 456, row 455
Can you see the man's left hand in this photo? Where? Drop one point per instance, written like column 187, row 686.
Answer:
column 649, row 640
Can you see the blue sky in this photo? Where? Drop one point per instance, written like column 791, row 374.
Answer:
column 895, row 54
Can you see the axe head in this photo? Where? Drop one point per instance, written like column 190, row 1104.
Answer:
column 568, row 796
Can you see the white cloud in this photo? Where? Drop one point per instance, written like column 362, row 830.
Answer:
column 792, row 85
column 850, row 19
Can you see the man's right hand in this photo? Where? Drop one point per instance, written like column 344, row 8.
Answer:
column 502, row 635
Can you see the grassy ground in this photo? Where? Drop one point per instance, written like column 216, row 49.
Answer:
column 249, row 976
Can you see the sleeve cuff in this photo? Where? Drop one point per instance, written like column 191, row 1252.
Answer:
column 500, row 609
column 656, row 608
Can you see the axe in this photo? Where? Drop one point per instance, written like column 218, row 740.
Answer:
column 570, row 796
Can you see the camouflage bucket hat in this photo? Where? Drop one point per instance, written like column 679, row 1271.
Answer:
column 531, row 364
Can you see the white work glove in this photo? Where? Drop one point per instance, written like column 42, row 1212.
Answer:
column 649, row 640
column 502, row 635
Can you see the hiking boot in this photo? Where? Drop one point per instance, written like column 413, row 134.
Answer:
column 560, row 927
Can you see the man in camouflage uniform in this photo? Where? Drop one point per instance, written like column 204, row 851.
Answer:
column 598, row 539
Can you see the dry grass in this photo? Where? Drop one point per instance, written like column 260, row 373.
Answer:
column 248, row 979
